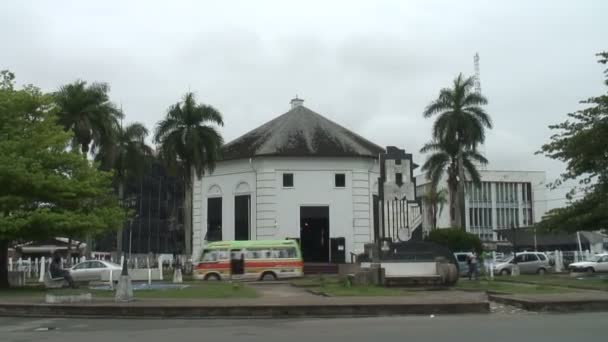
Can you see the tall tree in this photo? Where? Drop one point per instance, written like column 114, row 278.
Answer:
column 582, row 143
column 188, row 141
column 434, row 200
column 461, row 121
column 443, row 158
column 45, row 190
column 127, row 157
column 87, row 111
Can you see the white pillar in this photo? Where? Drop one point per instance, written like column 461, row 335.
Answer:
column 122, row 260
column 42, row 269
column 37, row 267
column 160, row 266
column 111, row 279
column 10, row 264
column 149, row 276
column 29, row 268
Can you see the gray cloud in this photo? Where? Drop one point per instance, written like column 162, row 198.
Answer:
column 370, row 66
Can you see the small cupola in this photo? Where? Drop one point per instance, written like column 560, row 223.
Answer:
column 296, row 102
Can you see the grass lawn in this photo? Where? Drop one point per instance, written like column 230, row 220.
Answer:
column 200, row 290
column 559, row 280
column 509, row 287
column 339, row 290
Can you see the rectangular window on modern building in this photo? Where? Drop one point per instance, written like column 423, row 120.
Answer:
column 470, row 217
column 340, row 180
column 288, row 180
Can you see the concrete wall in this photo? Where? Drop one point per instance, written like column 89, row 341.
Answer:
column 275, row 210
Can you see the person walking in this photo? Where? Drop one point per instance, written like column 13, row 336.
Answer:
column 473, row 262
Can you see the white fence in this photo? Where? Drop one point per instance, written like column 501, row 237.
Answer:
column 141, row 267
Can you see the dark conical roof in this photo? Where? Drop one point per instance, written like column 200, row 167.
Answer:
column 300, row 132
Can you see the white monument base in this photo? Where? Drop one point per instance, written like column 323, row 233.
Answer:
column 124, row 290
column 177, row 276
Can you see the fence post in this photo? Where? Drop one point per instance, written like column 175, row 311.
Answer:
column 36, row 268
column 160, row 266
column 42, row 269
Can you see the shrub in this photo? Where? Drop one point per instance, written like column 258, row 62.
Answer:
column 456, row 239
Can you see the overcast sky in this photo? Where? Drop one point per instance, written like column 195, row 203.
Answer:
column 371, row 66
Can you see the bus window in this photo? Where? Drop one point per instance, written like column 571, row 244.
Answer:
column 209, row 256
column 287, row 252
column 222, row 254
column 236, row 254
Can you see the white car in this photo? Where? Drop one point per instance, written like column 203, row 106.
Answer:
column 91, row 270
column 596, row 263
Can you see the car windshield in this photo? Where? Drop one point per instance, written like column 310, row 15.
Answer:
column 594, row 258
column 507, row 259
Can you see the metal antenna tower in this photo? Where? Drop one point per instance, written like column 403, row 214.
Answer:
column 482, row 148
column 477, row 78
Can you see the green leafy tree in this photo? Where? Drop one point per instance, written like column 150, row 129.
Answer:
column 443, row 158
column 582, row 143
column 456, row 239
column 127, row 157
column 45, row 190
column 461, row 122
column 87, row 111
column 189, row 142
column 434, row 200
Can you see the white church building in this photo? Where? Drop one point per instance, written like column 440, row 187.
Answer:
column 304, row 177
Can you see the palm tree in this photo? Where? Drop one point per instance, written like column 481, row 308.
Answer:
column 435, row 201
column 188, row 141
column 127, row 156
column 444, row 159
column 88, row 112
column 461, row 121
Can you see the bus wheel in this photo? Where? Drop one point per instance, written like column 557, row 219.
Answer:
column 212, row 277
column 269, row 276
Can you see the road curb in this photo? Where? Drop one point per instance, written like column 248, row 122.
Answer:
column 264, row 311
column 576, row 287
column 552, row 306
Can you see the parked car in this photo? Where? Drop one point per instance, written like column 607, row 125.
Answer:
column 463, row 265
column 91, row 270
column 596, row 263
column 528, row 263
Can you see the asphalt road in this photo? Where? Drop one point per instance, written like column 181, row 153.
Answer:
column 493, row 327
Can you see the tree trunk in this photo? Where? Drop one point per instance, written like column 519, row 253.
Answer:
column 434, row 209
column 453, row 205
column 188, row 219
column 4, row 264
column 460, row 213
column 121, row 190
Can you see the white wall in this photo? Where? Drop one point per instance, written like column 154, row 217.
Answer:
column 223, row 182
column 275, row 211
